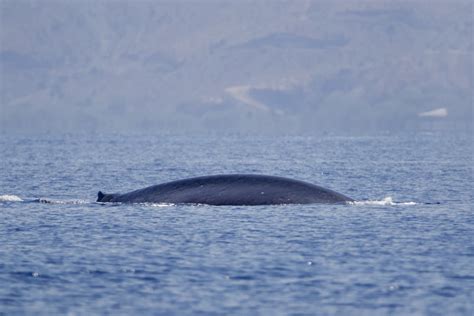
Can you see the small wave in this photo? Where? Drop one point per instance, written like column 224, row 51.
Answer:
column 14, row 198
column 386, row 201
column 10, row 198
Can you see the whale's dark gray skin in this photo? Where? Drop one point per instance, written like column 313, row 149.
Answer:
column 232, row 189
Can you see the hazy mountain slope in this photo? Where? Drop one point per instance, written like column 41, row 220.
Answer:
column 297, row 65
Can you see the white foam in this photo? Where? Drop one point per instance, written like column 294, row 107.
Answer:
column 10, row 198
column 51, row 201
column 385, row 201
column 157, row 204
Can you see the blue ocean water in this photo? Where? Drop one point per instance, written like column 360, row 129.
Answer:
column 395, row 251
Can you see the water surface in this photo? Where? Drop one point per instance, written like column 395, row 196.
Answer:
column 388, row 253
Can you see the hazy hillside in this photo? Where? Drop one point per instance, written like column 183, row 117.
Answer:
column 252, row 65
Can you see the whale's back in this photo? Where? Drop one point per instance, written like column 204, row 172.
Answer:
column 235, row 189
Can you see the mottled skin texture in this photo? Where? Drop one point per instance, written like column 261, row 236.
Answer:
column 233, row 189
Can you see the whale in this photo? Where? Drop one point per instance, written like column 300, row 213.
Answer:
column 230, row 189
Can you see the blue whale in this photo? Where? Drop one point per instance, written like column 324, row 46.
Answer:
column 231, row 189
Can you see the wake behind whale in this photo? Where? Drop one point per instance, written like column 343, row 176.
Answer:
column 222, row 190
column 231, row 189
column 8, row 199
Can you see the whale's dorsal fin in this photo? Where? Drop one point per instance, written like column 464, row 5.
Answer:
column 100, row 196
column 104, row 197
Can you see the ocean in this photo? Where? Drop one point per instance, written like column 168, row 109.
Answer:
column 406, row 246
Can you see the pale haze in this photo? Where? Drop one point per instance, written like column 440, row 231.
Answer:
column 256, row 66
